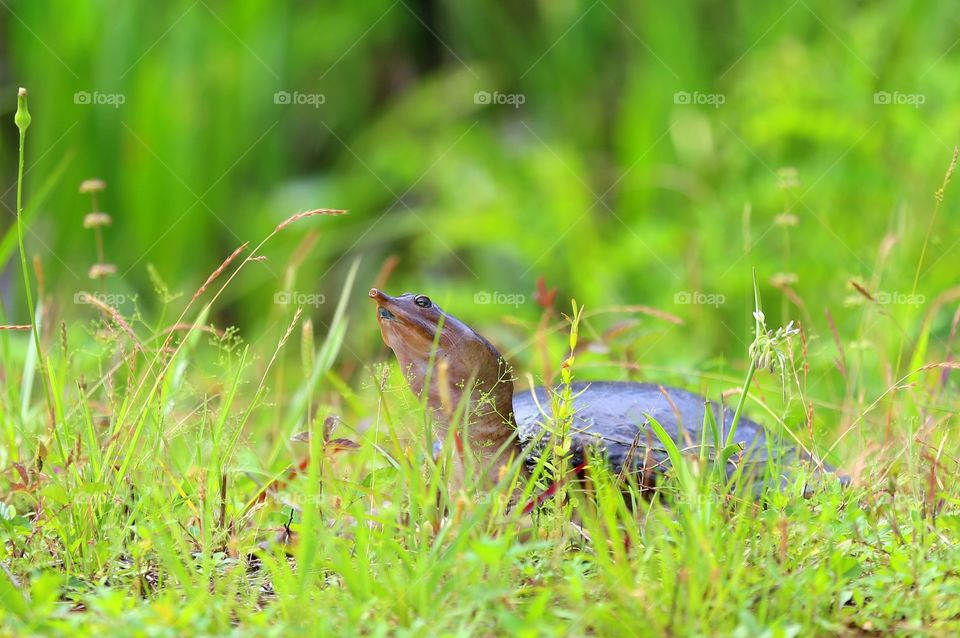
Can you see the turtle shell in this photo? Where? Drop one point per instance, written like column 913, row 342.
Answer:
column 612, row 419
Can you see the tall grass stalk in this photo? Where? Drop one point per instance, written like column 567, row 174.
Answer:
column 22, row 119
column 742, row 399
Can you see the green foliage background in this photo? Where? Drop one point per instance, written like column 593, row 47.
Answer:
column 599, row 181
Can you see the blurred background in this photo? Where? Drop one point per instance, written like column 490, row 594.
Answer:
column 627, row 152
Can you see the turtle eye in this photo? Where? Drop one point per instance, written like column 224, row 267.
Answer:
column 423, row 301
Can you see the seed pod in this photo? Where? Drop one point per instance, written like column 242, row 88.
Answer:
column 22, row 117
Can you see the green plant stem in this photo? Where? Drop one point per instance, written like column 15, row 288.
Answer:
column 740, row 403
column 757, row 328
column 101, row 258
column 23, row 121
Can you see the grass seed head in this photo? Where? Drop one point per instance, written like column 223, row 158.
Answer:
column 93, row 185
column 97, row 220
column 100, row 271
column 309, row 213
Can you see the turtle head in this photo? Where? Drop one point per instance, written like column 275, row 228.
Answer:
column 420, row 333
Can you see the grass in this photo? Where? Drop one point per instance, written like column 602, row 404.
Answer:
column 160, row 492
column 213, row 440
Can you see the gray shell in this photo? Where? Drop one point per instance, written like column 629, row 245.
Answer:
column 611, row 417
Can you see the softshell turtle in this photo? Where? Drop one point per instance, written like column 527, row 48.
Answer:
column 612, row 418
